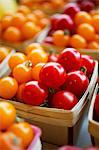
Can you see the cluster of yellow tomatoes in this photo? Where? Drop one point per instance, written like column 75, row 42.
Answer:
column 22, row 25
column 24, row 68
column 13, row 134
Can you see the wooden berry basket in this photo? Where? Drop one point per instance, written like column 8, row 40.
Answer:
column 58, row 126
column 93, row 126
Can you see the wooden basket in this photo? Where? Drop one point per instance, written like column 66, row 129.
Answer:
column 58, row 126
column 93, row 126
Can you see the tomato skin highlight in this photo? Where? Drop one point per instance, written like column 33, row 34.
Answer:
column 64, row 100
column 34, row 93
column 76, row 82
column 70, row 59
column 52, row 75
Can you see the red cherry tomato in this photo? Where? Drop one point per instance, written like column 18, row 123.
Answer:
column 97, row 106
column 64, row 100
column 70, row 59
column 76, row 82
column 54, row 20
column 34, row 93
column 88, row 63
column 65, row 23
column 87, row 6
column 71, row 9
column 52, row 75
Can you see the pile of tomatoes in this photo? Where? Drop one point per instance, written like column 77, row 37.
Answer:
column 38, row 77
column 45, row 5
column 74, row 28
column 23, row 25
column 13, row 134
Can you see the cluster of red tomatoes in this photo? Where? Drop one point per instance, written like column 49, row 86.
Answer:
column 36, row 78
column 70, row 27
column 13, row 134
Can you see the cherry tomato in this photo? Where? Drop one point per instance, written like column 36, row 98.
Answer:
column 64, row 100
column 23, row 72
column 16, row 59
column 54, row 20
column 88, row 63
column 87, row 6
column 9, row 141
column 38, row 56
column 76, row 82
column 69, row 58
column 34, row 93
column 65, row 23
column 36, row 71
column 7, row 115
column 52, row 75
column 19, row 92
column 8, row 87
column 97, row 106
column 24, row 131
column 71, row 9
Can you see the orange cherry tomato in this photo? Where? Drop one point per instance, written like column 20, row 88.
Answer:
column 18, row 20
column 94, row 12
column 24, row 131
column 12, row 34
column 9, row 141
column 19, row 92
column 38, row 56
column 82, row 17
column 78, row 41
column 24, row 9
column 86, row 31
column 3, row 53
column 31, row 17
column 16, row 59
column 43, row 22
column 8, row 87
column 6, row 21
column 93, row 45
column 33, row 46
column 7, row 115
column 95, row 23
column 23, row 72
column 96, row 38
column 39, row 14
column 36, row 71
column 60, row 39
column 29, row 30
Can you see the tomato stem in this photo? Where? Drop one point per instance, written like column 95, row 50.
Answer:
column 66, row 32
column 83, row 69
column 28, row 63
column 51, row 90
